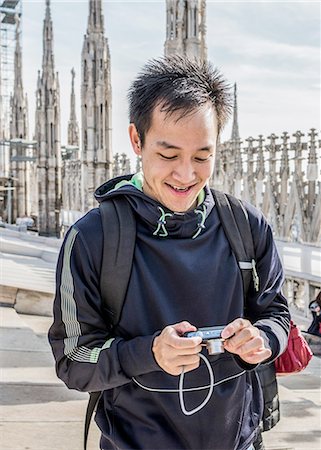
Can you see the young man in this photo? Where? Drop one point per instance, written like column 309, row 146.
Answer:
column 184, row 276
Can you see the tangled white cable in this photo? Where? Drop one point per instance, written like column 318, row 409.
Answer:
column 210, row 391
column 181, row 389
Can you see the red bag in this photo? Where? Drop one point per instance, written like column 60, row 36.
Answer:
column 297, row 354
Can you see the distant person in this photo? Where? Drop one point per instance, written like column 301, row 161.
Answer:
column 315, row 308
column 184, row 276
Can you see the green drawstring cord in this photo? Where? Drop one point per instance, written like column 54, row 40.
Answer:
column 161, row 229
column 200, row 225
column 161, row 223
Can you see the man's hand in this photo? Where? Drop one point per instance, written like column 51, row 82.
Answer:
column 246, row 342
column 172, row 352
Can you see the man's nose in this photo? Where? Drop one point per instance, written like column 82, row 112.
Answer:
column 184, row 172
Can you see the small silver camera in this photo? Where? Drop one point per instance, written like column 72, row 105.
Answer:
column 211, row 337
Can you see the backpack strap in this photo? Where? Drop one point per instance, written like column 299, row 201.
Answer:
column 92, row 402
column 119, row 231
column 119, row 237
column 236, row 226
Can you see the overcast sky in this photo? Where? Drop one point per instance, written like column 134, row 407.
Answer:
column 270, row 48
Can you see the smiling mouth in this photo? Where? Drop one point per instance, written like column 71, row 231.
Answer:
column 180, row 189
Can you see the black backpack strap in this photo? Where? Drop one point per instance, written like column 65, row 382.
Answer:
column 243, row 225
column 119, row 230
column 92, row 402
column 119, row 237
column 236, row 226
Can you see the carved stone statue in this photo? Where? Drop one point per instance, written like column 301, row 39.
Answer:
column 180, row 10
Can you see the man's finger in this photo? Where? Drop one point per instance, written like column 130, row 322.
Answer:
column 193, row 350
column 257, row 357
column 173, row 336
column 183, row 327
column 234, row 327
column 249, row 339
column 182, row 343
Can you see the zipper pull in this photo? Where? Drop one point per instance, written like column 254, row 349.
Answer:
column 256, row 279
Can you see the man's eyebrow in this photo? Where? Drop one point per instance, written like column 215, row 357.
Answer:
column 166, row 145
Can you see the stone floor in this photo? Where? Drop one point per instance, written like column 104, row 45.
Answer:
column 39, row 413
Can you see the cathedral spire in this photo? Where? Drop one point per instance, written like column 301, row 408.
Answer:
column 96, row 152
column 19, row 130
column 73, row 128
column 48, row 57
column 19, row 111
column 312, row 170
column 284, row 173
column 95, row 18
column 18, row 59
column 186, row 28
column 47, row 135
column 235, row 128
column 203, row 31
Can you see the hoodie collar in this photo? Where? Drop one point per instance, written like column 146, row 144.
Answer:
column 137, row 180
column 160, row 220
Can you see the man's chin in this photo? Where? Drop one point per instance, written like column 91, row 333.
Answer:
column 181, row 208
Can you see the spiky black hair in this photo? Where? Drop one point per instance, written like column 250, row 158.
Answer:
column 178, row 85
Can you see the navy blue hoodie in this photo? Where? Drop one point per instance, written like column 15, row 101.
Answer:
column 182, row 270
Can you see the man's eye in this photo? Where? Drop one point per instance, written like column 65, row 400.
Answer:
column 167, row 157
column 202, row 159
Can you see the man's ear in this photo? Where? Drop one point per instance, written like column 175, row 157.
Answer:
column 134, row 139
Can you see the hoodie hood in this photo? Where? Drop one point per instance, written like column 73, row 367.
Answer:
column 160, row 220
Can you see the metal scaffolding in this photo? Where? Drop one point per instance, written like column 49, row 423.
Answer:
column 9, row 9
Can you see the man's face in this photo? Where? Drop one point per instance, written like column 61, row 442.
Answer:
column 178, row 156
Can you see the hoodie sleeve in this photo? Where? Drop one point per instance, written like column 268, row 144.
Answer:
column 268, row 309
column 87, row 357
